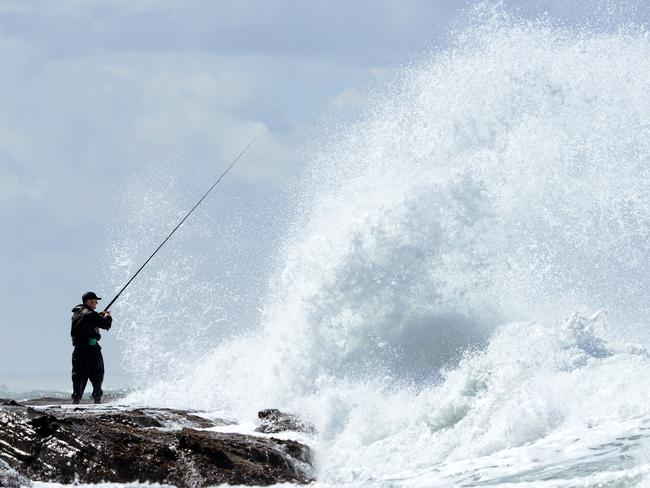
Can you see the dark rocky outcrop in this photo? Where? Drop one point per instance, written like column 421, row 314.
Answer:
column 274, row 421
column 104, row 443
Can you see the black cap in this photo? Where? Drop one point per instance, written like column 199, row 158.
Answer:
column 88, row 295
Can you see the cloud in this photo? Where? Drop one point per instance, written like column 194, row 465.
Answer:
column 367, row 31
column 95, row 94
column 74, row 8
column 74, row 120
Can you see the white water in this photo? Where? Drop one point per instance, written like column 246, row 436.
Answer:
column 434, row 309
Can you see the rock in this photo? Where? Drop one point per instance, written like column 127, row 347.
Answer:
column 105, row 443
column 9, row 477
column 274, row 421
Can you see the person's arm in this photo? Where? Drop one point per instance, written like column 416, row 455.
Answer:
column 77, row 330
column 105, row 320
column 83, row 326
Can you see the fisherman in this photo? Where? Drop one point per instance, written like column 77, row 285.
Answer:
column 87, row 360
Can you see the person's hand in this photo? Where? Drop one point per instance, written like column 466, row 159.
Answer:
column 105, row 313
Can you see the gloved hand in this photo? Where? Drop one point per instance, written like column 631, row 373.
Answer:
column 106, row 314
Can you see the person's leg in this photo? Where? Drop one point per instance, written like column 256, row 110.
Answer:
column 96, row 373
column 79, row 375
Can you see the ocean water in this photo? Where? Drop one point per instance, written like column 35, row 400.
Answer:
column 463, row 296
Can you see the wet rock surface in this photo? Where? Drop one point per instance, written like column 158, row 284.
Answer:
column 105, row 443
column 9, row 477
column 274, row 421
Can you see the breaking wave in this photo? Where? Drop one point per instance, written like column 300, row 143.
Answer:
column 435, row 305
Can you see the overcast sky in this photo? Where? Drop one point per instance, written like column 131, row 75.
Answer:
column 95, row 95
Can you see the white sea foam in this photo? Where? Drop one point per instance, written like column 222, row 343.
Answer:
column 433, row 311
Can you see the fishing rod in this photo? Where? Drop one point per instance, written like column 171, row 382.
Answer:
column 181, row 223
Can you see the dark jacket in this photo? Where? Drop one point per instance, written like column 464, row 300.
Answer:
column 86, row 324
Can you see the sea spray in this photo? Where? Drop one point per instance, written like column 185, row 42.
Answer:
column 423, row 314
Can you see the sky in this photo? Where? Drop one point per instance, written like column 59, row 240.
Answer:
column 106, row 104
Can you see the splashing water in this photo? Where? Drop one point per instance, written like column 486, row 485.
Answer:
column 418, row 311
